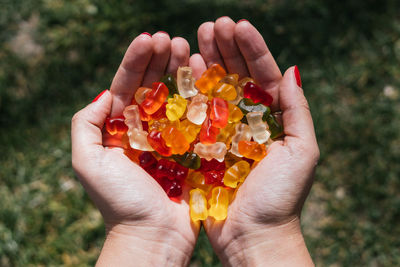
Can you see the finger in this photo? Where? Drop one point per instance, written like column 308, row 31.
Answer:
column 180, row 51
column 159, row 60
column 259, row 60
column 296, row 116
column 86, row 127
column 130, row 73
column 224, row 31
column 198, row 65
column 207, row 44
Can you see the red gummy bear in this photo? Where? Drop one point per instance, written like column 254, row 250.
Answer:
column 219, row 112
column 116, row 125
column 258, row 95
column 208, row 133
column 148, row 162
column 171, row 170
column 155, row 98
column 157, row 142
column 173, row 188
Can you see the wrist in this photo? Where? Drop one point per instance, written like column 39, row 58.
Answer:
column 281, row 245
column 144, row 246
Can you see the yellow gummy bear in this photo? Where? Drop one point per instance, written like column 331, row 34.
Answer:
column 197, row 180
column 225, row 135
column 162, row 123
column 235, row 114
column 198, row 205
column 219, row 202
column 176, row 107
column 225, row 91
column 236, row 174
column 189, row 130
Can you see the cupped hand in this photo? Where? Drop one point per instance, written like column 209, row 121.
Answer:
column 137, row 212
column 262, row 225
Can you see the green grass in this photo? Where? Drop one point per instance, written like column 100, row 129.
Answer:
column 348, row 53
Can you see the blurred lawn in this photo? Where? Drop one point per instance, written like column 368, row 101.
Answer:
column 56, row 55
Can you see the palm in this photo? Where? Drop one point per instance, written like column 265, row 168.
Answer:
column 122, row 190
column 130, row 195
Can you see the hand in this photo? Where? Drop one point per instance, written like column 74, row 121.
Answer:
column 142, row 223
column 263, row 222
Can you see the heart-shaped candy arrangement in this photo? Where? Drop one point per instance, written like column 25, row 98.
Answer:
column 207, row 133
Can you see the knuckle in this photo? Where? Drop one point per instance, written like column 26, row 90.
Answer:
column 76, row 118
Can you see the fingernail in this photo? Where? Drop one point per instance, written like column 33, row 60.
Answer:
column 163, row 32
column 98, row 96
column 242, row 20
column 297, row 75
column 147, row 33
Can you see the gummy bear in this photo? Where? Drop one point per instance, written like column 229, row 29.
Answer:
column 116, row 125
column 160, row 113
column 209, row 165
column 155, row 98
column 173, row 188
column 170, row 82
column 162, row 123
column 246, row 105
column 137, row 137
column 176, row 107
column 140, row 94
column 208, row 133
column 197, row 110
column 236, row 173
column 219, row 112
column 233, row 80
column 189, row 160
column 252, row 150
column 275, row 128
column 189, row 130
column 242, row 132
column 157, row 142
column 226, row 134
column 132, row 154
column 175, row 140
column 210, row 78
column 219, row 202
column 258, row 95
column 258, row 127
column 225, row 91
column 148, row 162
column 216, row 151
column 196, row 180
column 198, row 205
column 214, row 177
column 171, row 170
column 186, row 82
column 230, row 79
column 235, row 113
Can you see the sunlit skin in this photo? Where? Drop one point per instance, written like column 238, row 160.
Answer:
column 265, row 214
column 262, row 225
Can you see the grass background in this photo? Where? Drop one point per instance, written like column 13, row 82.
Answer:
column 57, row 55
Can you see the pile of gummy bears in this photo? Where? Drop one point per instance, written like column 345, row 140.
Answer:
column 207, row 133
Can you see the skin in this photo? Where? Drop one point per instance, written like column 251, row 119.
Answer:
column 140, row 219
column 263, row 223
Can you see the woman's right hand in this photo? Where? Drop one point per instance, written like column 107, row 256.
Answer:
column 263, row 223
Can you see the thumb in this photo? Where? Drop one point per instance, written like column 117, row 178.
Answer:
column 86, row 135
column 297, row 121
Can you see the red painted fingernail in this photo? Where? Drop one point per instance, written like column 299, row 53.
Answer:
column 147, row 33
column 98, row 96
column 242, row 20
column 297, row 75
